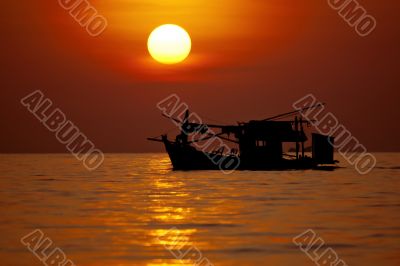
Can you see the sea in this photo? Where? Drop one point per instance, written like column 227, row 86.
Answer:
column 134, row 210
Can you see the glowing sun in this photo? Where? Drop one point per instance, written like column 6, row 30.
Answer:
column 169, row 44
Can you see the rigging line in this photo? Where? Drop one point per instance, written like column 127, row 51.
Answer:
column 168, row 131
column 319, row 105
column 210, row 136
column 273, row 119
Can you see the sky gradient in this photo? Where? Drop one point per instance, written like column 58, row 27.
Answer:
column 250, row 60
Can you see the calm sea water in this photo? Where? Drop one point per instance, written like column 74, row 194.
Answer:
column 116, row 215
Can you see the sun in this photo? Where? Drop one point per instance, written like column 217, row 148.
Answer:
column 169, row 44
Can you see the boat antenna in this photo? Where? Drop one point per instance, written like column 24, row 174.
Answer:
column 295, row 112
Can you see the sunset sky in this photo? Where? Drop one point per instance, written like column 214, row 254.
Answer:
column 249, row 60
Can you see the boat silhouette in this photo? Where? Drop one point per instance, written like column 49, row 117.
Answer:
column 258, row 145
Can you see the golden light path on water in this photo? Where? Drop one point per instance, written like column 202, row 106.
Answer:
column 133, row 209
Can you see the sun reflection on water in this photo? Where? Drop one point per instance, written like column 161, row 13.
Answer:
column 171, row 263
column 170, row 207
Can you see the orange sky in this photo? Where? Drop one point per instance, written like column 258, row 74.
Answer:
column 250, row 59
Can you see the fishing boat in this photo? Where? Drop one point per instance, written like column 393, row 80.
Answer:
column 253, row 145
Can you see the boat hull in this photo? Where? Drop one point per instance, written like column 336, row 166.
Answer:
column 186, row 157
